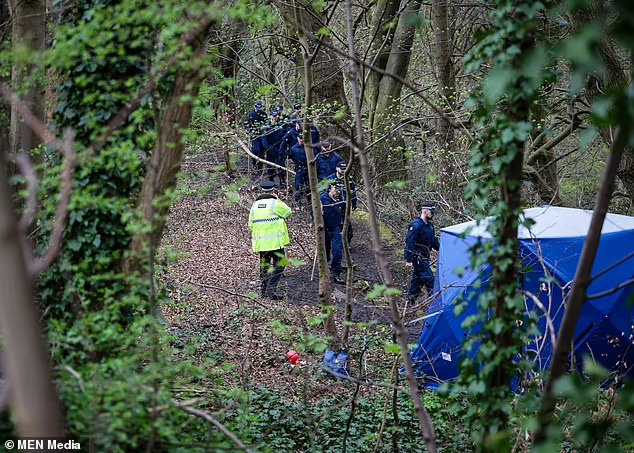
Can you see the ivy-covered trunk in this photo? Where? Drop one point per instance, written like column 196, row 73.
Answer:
column 102, row 74
column 165, row 162
column 503, row 119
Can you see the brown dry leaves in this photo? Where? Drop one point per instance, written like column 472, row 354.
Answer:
column 216, row 270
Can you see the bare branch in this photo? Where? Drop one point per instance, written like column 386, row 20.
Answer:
column 424, row 420
column 612, row 266
column 219, row 288
column 533, row 155
column 26, row 168
column 612, row 290
column 549, row 322
column 30, row 119
column 61, row 212
column 210, row 418
column 259, row 159
column 582, row 280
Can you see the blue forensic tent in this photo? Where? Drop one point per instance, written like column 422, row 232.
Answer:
column 550, row 251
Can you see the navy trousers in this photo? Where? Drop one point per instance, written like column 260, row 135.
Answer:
column 281, row 160
column 258, row 148
column 334, row 244
column 422, row 275
column 271, row 156
column 301, row 184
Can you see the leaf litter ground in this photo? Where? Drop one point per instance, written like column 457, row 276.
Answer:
column 214, row 271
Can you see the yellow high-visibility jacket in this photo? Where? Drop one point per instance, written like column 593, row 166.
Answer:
column 267, row 221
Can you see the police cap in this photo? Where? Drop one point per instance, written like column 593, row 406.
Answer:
column 342, row 165
column 258, row 106
column 297, row 106
column 267, row 186
column 274, row 114
column 280, row 107
column 430, row 207
column 325, row 145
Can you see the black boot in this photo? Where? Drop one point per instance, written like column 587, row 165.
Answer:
column 275, row 296
column 337, row 278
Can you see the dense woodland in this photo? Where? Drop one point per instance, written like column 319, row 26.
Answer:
column 128, row 316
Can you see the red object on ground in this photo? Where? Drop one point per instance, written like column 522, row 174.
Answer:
column 292, row 357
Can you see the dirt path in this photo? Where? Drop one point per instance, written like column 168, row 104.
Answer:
column 215, row 269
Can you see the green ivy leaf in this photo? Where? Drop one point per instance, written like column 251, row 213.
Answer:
column 587, row 136
column 496, row 83
column 377, row 291
column 324, row 31
column 392, row 348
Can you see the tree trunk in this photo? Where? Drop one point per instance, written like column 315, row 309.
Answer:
column 384, row 92
column 228, row 49
column 34, row 398
column 165, row 162
column 325, row 287
column 445, row 74
column 327, row 71
column 382, row 36
column 424, row 420
column 542, row 162
column 5, row 111
column 29, row 33
column 614, row 76
column 305, row 24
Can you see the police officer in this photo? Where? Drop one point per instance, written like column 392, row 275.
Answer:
column 314, row 133
column 274, row 134
column 338, row 180
column 333, row 209
column 289, row 140
column 326, row 161
column 298, row 112
column 420, row 240
column 255, row 125
column 297, row 154
column 284, row 120
column 269, row 236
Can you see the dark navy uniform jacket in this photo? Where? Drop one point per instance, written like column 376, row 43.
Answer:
column 286, row 123
column 255, row 126
column 255, row 123
column 297, row 154
column 274, row 134
column 290, row 139
column 341, row 185
column 420, row 239
column 327, row 164
column 334, row 211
